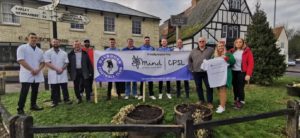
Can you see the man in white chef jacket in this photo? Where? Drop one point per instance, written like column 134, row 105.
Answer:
column 31, row 61
column 57, row 62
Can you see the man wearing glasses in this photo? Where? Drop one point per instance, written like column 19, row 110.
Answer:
column 195, row 60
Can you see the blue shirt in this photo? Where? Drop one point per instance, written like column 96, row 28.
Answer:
column 147, row 48
column 130, row 49
column 164, row 49
column 112, row 49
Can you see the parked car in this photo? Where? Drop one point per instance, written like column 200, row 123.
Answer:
column 292, row 63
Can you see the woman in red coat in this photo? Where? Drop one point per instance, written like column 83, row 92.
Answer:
column 242, row 70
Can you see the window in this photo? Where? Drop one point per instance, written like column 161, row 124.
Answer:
column 136, row 27
column 77, row 26
column 7, row 15
column 224, row 31
column 230, row 31
column 282, row 45
column 109, row 24
column 235, row 4
column 8, row 53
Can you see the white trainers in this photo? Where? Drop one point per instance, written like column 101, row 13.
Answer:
column 136, row 97
column 220, row 109
column 159, row 96
column 140, row 97
column 126, row 97
column 169, row 96
column 152, row 97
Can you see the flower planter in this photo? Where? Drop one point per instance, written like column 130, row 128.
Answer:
column 293, row 91
column 185, row 111
column 145, row 114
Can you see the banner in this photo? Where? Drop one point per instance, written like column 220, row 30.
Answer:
column 126, row 66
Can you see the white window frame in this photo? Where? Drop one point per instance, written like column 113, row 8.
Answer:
column 109, row 24
column 14, row 20
column 76, row 26
column 136, row 27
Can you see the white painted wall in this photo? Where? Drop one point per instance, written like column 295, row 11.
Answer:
column 283, row 44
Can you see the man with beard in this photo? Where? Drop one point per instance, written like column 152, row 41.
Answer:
column 57, row 61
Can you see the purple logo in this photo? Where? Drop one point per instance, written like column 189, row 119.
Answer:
column 110, row 66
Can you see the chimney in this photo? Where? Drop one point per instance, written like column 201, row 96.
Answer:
column 194, row 2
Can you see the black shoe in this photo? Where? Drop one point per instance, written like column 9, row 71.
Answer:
column 21, row 112
column 36, row 108
column 68, row 102
column 108, row 98
column 119, row 97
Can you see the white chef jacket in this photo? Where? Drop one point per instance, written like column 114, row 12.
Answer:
column 58, row 59
column 33, row 58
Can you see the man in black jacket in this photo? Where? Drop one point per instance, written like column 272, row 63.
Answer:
column 80, row 70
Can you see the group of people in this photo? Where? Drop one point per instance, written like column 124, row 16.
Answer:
column 78, row 63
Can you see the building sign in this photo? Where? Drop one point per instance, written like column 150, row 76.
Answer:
column 72, row 18
column 178, row 20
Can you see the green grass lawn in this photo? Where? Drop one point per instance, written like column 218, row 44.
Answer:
column 259, row 99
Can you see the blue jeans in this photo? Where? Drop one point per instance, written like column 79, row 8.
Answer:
column 198, row 77
column 128, row 88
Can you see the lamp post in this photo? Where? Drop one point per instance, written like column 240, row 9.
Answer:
column 274, row 15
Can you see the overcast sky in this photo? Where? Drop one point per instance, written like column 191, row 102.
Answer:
column 287, row 10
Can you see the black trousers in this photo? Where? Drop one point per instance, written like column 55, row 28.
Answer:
column 120, row 86
column 160, row 86
column 199, row 77
column 77, row 83
column 238, row 83
column 90, row 81
column 55, row 92
column 150, row 87
column 186, row 87
column 23, row 94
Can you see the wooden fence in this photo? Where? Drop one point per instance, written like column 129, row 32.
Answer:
column 23, row 126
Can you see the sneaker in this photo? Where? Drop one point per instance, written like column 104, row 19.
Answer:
column 126, row 97
column 140, row 97
column 152, row 97
column 243, row 102
column 160, row 96
column 169, row 96
column 220, row 109
column 136, row 97
column 238, row 105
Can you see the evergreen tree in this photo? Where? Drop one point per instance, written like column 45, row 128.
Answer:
column 269, row 64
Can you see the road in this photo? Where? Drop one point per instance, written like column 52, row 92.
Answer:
column 293, row 71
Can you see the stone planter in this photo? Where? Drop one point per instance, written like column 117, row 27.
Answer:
column 293, row 91
column 145, row 114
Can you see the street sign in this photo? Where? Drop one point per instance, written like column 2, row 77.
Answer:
column 31, row 13
column 178, row 20
column 51, row 6
column 72, row 18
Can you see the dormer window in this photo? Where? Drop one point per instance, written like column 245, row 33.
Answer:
column 235, row 5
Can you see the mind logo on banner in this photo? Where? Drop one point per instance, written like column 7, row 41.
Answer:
column 110, row 65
